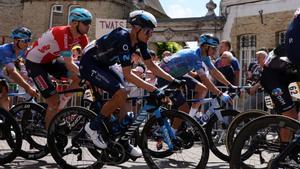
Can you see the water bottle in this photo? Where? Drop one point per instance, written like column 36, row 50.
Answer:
column 127, row 121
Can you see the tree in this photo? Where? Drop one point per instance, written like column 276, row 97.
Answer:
column 173, row 47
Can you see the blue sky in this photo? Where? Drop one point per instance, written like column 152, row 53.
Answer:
column 187, row 8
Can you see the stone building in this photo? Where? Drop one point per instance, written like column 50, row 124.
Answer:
column 253, row 24
column 39, row 15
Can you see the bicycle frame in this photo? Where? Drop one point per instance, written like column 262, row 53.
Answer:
column 214, row 108
column 287, row 151
column 156, row 110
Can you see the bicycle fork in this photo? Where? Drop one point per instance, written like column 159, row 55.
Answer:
column 167, row 132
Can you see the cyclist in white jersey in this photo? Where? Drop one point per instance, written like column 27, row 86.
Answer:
column 43, row 59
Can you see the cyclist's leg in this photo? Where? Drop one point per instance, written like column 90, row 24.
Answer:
column 105, row 79
column 200, row 92
column 4, row 99
column 45, row 86
column 59, row 70
column 275, row 82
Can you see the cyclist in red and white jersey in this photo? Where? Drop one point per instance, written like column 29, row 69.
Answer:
column 44, row 58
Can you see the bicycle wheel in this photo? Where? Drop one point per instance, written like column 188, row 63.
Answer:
column 192, row 139
column 238, row 123
column 30, row 117
column 10, row 137
column 216, row 131
column 67, row 140
column 259, row 141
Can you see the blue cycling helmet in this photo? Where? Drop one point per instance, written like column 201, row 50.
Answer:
column 209, row 40
column 80, row 14
column 143, row 19
column 21, row 33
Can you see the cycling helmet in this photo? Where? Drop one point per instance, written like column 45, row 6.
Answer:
column 143, row 19
column 209, row 40
column 21, row 33
column 80, row 14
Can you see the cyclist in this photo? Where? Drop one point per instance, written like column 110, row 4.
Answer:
column 181, row 63
column 118, row 47
column 43, row 58
column 278, row 74
column 9, row 53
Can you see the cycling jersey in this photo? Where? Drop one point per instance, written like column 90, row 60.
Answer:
column 8, row 55
column 185, row 61
column 292, row 41
column 115, row 47
column 100, row 54
column 57, row 41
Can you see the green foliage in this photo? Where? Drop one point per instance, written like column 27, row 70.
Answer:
column 173, row 47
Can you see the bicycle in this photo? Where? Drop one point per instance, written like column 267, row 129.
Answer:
column 213, row 120
column 258, row 144
column 70, row 122
column 10, row 137
column 30, row 115
column 252, row 140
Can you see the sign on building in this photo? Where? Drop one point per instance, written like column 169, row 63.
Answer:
column 104, row 26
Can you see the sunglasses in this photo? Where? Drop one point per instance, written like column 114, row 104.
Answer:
column 87, row 22
column 25, row 40
column 148, row 31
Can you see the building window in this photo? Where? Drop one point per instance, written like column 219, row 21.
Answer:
column 70, row 9
column 56, row 15
column 281, row 37
column 247, row 45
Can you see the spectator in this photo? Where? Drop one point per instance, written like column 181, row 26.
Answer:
column 76, row 53
column 225, row 67
column 256, row 101
column 154, row 57
column 166, row 54
column 225, row 45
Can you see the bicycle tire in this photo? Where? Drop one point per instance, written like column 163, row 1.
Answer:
column 8, row 127
column 210, row 134
column 23, row 113
column 170, row 114
column 54, row 131
column 237, row 160
column 238, row 120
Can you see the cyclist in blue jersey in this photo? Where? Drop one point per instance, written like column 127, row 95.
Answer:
column 9, row 53
column 118, row 47
column 181, row 63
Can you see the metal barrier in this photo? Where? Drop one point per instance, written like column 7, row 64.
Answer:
column 242, row 103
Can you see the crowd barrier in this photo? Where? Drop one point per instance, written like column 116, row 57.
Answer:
column 242, row 103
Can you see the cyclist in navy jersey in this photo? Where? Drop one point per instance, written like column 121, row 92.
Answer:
column 118, row 47
column 9, row 53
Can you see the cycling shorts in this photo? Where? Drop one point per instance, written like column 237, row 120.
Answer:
column 99, row 75
column 40, row 73
column 275, row 83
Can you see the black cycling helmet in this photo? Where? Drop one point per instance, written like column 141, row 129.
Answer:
column 143, row 19
column 209, row 40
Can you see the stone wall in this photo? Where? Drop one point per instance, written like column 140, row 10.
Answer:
column 265, row 32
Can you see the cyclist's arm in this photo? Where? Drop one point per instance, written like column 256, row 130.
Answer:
column 209, row 84
column 71, row 66
column 156, row 70
column 14, row 75
column 133, row 78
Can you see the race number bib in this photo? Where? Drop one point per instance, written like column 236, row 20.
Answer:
column 294, row 89
column 269, row 102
